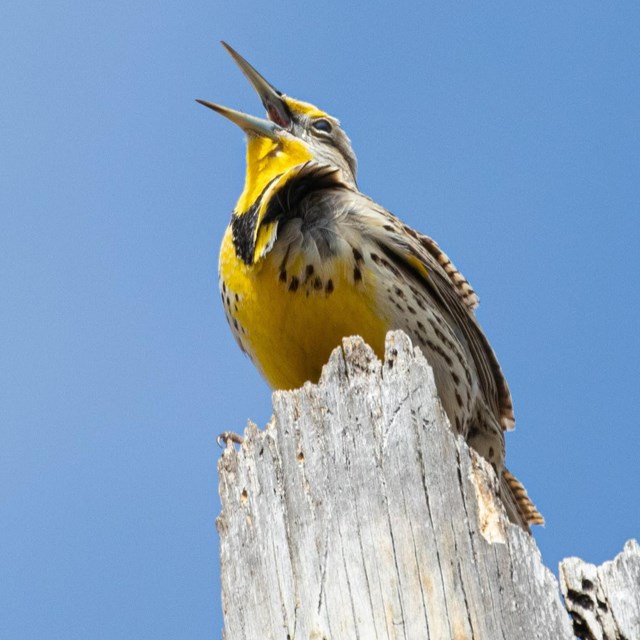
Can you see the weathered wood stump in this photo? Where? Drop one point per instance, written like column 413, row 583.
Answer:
column 604, row 601
column 358, row 513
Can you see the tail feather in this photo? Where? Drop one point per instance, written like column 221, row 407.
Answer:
column 519, row 506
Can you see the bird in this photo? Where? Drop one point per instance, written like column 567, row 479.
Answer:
column 308, row 259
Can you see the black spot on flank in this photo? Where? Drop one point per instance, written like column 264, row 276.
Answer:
column 357, row 274
column 228, row 302
column 456, row 378
column 458, row 424
column 410, row 309
column 237, row 297
column 293, row 285
column 283, row 275
column 224, row 288
column 399, row 291
column 329, row 286
column 420, row 303
column 357, row 255
column 388, row 227
column 400, row 263
column 283, row 264
column 235, row 324
column 308, row 272
column 421, row 326
column 440, row 351
column 458, row 399
column 385, row 263
column 491, row 452
column 317, row 283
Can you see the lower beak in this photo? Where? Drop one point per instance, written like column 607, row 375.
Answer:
column 249, row 124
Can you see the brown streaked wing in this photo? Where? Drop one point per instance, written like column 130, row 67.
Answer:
column 403, row 249
column 462, row 285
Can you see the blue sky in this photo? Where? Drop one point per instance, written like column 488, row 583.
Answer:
column 507, row 132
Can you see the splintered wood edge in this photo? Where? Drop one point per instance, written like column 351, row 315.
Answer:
column 604, row 601
column 355, row 356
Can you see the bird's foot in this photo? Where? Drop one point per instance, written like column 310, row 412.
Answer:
column 227, row 438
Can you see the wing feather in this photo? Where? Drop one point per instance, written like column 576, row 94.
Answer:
column 428, row 266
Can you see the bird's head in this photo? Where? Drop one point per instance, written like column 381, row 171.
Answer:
column 293, row 134
column 321, row 132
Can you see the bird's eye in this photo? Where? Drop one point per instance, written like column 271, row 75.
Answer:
column 322, row 125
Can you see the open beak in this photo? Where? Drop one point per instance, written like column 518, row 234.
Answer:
column 249, row 124
column 277, row 110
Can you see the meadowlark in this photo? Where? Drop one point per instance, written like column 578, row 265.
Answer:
column 308, row 259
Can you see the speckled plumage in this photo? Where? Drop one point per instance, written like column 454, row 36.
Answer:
column 309, row 259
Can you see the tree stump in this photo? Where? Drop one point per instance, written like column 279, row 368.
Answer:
column 358, row 513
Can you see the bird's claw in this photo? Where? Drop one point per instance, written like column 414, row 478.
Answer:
column 227, row 437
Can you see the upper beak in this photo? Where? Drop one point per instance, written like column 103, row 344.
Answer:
column 249, row 124
column 277, row 110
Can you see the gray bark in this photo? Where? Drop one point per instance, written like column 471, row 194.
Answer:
column 604, row 601
column 357, row 513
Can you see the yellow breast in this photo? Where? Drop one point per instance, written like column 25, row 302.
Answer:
column 289, row 320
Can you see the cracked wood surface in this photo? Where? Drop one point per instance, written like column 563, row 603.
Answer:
column 357, row 513
column 604, row 601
